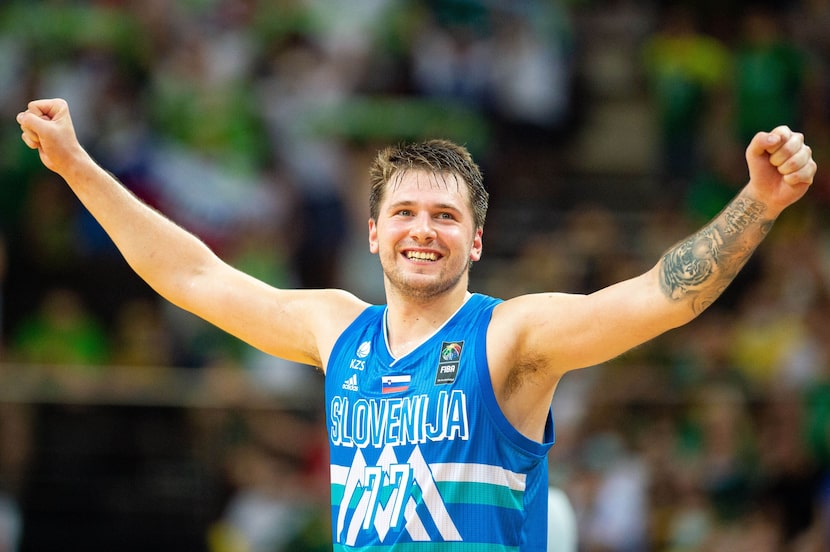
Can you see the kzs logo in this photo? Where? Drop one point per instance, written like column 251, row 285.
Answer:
column 361, row 353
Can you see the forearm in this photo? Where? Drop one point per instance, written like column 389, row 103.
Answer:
column 697, row 270
column 162, row 253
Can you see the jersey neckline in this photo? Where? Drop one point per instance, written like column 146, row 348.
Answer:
column 385, row 331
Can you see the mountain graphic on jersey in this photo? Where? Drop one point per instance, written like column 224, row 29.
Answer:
column 379, row 498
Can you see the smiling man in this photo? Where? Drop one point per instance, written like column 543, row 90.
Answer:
column 438, row 403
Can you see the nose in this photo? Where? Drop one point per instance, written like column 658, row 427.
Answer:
column 422, row 229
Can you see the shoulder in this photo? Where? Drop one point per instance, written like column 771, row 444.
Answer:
column 525, row 312
column 333, row 311
column 304, row 324
column 526, row 329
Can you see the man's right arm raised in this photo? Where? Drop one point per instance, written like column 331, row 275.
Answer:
column 299, row 325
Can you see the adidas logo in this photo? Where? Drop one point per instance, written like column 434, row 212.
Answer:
column 351, row 384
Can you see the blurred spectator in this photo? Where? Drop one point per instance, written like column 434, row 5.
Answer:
column 770, row 74
column 718, row 179
column 3, row 261
column 451, row 59
column 15, row 452
column 141, row 336
column 727, row 450
column 788, row 474
column 278, row 485
column 812, row 21
column 773, row 344
column 531, row 67
column 615, row 518
column 61, row 331
column 562, row 526
column 11, row 524
column 686, row 70
column 49, row 227
column 301, row 80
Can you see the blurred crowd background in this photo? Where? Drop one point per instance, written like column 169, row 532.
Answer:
column 607, row 130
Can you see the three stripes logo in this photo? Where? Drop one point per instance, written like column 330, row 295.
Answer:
column 351, row 384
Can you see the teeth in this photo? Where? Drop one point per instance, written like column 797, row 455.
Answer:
column 421, row 256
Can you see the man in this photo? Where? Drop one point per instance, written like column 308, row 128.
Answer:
column 438, row 404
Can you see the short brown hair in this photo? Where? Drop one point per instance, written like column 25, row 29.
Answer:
column 434, row 156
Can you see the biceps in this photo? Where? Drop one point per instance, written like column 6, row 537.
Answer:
column 575, row 331
column 265, row 317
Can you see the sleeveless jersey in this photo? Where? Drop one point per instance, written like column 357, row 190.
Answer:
column 420, row 450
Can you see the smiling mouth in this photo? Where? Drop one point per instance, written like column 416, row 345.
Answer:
column 421, row 256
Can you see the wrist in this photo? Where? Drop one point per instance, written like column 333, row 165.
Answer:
column 76, row 164
column 760, row 207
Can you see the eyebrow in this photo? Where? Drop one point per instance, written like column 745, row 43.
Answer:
column 435, row 206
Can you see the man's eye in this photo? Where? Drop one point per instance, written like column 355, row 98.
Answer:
column 446, row 216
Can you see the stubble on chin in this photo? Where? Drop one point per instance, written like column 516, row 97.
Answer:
column 422, row 288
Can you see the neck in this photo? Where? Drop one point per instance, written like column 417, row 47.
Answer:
column 410, row 320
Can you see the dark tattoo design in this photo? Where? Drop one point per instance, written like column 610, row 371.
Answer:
column 740, row 214
column 699, row 268
column 691, row 263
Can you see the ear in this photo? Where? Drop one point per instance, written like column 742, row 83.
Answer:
column 373, row 236
column 478, row 245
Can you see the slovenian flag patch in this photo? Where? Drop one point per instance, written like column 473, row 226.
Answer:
column 394, row 384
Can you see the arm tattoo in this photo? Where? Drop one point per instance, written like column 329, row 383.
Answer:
column 700, row 267
column 742, row 213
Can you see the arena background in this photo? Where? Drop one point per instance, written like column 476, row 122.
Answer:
column 606, row 130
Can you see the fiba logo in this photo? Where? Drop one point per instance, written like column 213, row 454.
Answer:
column 451, row 352
column 449, row 358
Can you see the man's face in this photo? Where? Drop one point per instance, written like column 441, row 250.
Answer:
column 424, row 234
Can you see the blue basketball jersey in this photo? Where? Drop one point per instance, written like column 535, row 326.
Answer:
column 420, row 450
